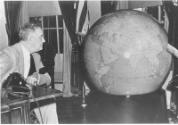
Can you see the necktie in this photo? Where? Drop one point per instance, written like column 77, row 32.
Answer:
column 32, row 66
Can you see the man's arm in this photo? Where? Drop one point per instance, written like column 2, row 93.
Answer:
column 6, row 66
column 43, row 78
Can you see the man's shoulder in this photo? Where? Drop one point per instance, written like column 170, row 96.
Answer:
column 13, row 48
column 11, row 52
column 9, row 59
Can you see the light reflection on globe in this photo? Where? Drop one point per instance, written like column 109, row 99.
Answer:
column 125, row 53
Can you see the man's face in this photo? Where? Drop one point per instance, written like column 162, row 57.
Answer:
column 37, row 39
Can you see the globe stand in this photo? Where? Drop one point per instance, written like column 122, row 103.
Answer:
column 84, row 105
column 80, row 36
column 127, row 96
column 172, row 103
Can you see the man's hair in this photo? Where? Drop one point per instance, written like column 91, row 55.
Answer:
column 26, row 29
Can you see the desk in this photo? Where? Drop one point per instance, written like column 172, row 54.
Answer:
column 17, row 111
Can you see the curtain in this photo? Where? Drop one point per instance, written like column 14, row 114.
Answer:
column 3, row 32
column 12, row 10
column 169, row 8
column 82, row 18
column 122, row 4
column 23, row 14
column 68, row 10
column 69, row 14
column 173, row 26
column 108, row 7
column 94, row 8
column 67, row 63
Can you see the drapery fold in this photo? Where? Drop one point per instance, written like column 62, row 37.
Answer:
column 12, row 10
column 70, row 75
column 23, row 14
column 69, row 14
column 67, row 63
column 3, row 32
column 172, row 30
column 82, row 18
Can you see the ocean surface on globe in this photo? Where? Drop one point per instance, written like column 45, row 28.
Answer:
column 125, row 53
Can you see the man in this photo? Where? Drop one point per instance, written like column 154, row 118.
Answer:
column 16, row 58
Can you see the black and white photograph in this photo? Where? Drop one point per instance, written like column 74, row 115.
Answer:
column 89, row 62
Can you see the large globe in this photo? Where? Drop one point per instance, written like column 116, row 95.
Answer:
column 125, row 53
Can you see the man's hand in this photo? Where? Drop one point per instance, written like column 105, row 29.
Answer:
column 33, row 79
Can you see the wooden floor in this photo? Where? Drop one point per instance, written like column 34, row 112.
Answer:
column 103, row 108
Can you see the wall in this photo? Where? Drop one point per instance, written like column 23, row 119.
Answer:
column 43, row 8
